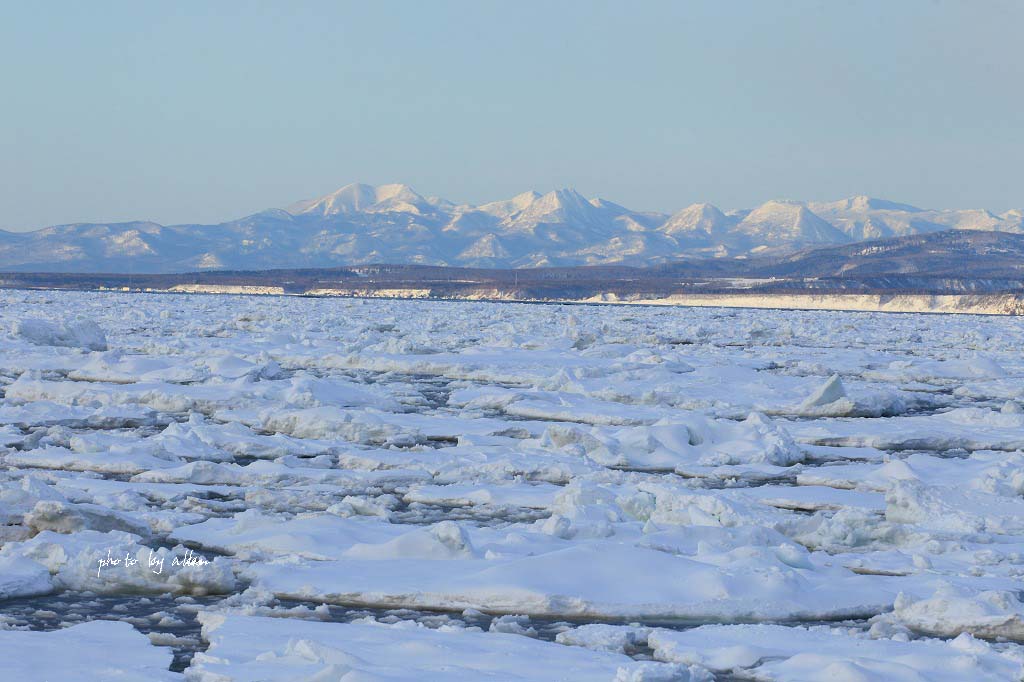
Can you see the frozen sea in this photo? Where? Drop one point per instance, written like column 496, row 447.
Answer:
column 215, row 488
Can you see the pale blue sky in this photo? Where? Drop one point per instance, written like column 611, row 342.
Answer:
column 206, row 111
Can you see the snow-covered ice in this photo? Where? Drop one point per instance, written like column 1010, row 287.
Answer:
column 245, row 647
column 387, row 489
column 96, row 651
column 821, row 654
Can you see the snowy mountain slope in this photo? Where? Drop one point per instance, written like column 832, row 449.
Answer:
column 978, row 254
column 866, row 218
column 356, row 198
column 698, row 221
column 778, row 223
column 394, row 224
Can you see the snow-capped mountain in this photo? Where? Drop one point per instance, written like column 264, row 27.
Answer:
column 698, row 221
column 862, row 217
column 360, row 224
column 786, row 222
column 359, row 198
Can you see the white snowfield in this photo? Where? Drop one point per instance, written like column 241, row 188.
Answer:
column 422, row 490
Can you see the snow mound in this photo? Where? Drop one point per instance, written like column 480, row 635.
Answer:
column 950, row 612
column 680, row 441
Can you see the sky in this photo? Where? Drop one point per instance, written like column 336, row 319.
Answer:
column 200, row 112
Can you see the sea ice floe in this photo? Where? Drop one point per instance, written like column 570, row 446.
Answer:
column 951, row 611
column 669, row 444
column 248, row 647
column 75, row 333
column 821, row 654
column 538, row 495
column 586, row 580
column 97, row 651
column 22, row 577
column 668, row 466
column 966, row 428
column 81, row 561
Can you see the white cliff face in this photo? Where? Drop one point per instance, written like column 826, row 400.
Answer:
column 393, row 223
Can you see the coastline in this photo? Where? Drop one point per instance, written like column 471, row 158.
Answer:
column 965, row 304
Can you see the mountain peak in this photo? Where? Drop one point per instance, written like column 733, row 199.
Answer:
column 509, row 207
column 861, row 203
column 392, row 223
column 783, row 221
column 695, row 219
column 357, row 197
column 348, row 199
column 564, row 206
column 396, row 191
column 561, row 198
column 531, row 205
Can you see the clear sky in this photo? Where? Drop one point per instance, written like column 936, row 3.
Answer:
column 206, row 111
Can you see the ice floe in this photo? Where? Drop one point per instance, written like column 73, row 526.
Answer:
column 384, row 488
column 90, row 652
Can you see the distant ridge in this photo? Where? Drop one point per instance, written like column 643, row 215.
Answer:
column 953, row 271
column 358, row 224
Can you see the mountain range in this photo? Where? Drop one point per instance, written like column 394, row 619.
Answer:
column 360, row 224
